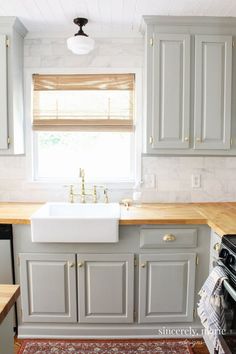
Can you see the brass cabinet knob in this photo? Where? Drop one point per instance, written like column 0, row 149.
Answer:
column 216, row 247
column 198, row 140
column 169, row 238
column 143, row 265
column 186, row 138
column 71, row 265
column 80, row 264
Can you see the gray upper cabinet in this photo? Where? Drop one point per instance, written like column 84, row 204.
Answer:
column 166, row 287
column 3, row 90
column 212, row 106
column 48, row 287
column 105, row 288
column 189, row 86
column 12, row 34
column 171, row 91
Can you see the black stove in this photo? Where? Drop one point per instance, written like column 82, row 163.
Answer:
column 227, row 259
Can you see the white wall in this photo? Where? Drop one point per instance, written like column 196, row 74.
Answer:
column 173, row 174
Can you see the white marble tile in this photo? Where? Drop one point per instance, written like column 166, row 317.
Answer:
column 218, row 174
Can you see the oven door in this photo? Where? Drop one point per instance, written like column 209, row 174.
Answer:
column 228, row 340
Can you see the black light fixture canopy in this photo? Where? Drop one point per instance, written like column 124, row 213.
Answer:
column 81, row 22
column 80, row 43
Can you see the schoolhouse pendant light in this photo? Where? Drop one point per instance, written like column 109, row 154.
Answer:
column 80, row 43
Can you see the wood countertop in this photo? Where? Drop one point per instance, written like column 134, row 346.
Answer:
column 8, row 296
column 221, row 217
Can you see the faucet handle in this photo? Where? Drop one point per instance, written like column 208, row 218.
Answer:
column 106, row 199
column 71, row 192
column 95, row 196
column 81, row 173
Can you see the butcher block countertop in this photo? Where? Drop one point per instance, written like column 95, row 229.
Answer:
column 221, row 217
column 8, row 296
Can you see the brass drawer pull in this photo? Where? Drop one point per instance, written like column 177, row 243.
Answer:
column 169, row 238
column 216, row 247
column 80, row 265
column 71, row 265
column 143, row 265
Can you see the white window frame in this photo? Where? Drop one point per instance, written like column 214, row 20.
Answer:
column 31, row 145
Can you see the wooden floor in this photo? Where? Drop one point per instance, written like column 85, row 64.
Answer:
column 199, row 347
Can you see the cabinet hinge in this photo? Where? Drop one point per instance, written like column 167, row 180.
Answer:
column 151, row 140
column 8, row 141
column 18, row 260
column 233, row 44
column 231, row 142
column 151, row 42
column 135, row 261
column 194, row 313
column 197, row 260
column 21, row 313
column 7, row 42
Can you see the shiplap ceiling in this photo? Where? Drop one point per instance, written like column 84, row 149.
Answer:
column 106, row 17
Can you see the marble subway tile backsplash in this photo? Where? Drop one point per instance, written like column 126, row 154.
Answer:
column 172, row 174
column 174, row 179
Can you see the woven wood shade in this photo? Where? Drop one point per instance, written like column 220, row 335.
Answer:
column 84, row 82
column 83, row 102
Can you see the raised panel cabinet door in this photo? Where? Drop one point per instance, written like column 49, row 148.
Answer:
column 212, row 106
column 105, row 288
column 171, row 91
column 166, row 287
column 48, row 287
column 3, row 95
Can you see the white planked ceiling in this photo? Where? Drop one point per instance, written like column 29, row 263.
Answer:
column 106, row 17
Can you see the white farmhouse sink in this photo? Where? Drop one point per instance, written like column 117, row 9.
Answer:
column 65, row 222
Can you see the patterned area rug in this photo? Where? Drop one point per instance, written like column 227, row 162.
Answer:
column 129, row 346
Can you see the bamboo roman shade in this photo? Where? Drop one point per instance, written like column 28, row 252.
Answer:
column 94, row 102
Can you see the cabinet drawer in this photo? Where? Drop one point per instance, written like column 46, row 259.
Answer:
column 168, row 238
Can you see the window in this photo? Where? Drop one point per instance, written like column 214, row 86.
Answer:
column 84, row 121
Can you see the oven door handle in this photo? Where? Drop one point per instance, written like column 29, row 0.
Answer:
column 230, row 289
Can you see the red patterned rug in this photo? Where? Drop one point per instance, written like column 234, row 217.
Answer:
column 114, row 346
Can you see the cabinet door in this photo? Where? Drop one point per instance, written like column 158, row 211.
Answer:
column 171, row 91
column 212, row 110
column 105, row 288
column 166, row 287
column 48, row 287
column 3, row 90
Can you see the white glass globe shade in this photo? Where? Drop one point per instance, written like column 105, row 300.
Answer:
column 80, row 44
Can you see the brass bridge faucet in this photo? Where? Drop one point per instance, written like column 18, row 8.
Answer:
column 83, row 193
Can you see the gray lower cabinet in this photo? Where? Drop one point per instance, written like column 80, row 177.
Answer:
column 48, row 287
column 105, row 288
column 166, row 287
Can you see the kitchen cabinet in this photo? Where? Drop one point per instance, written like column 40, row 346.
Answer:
column 95, row 289
column 212, row 105
column 166, row 287
column 105, row 288
column 48, row 287
column 12, row 34
column 189, row 86
column 171, row 86
column 3, row 90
